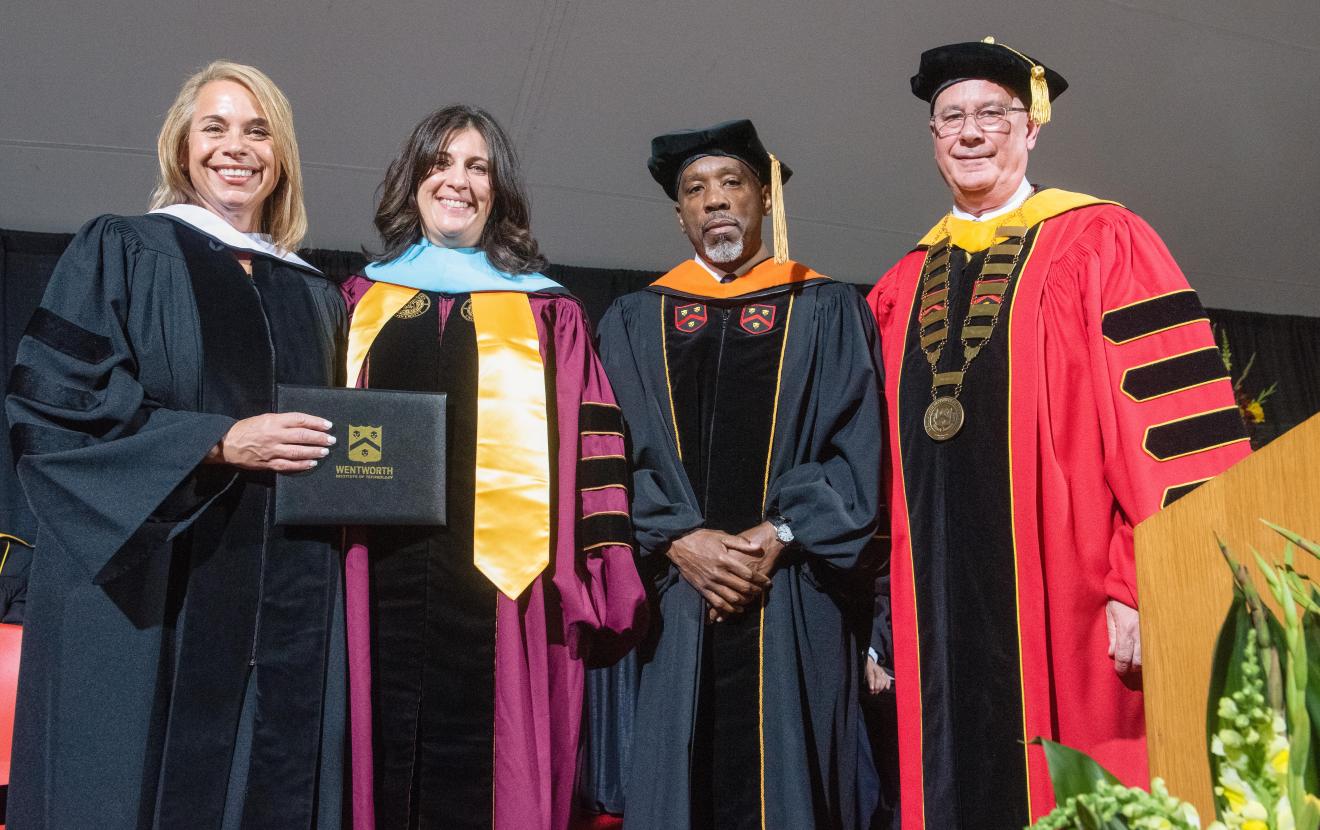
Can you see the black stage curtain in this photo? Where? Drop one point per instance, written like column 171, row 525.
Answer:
column 1287, row 348
column 1286, row 351
column 26, row 262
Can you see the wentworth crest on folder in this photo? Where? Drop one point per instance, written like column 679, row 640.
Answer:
column 364, row 444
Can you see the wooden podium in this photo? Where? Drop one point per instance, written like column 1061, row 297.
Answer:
column 1185, row 590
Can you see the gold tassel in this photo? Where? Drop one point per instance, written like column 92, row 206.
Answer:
column 1039, row 106
column 777, row 218
column 1040, row 96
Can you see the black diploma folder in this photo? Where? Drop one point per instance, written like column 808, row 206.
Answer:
column 386, row 468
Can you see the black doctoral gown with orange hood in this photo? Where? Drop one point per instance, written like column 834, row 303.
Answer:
column 747, row 400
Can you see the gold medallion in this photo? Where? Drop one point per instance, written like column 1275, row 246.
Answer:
column 466, row 309
column 944, row 418
column 415, row 307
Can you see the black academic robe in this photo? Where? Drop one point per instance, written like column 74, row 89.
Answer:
column 723, row 441
column 182, row 658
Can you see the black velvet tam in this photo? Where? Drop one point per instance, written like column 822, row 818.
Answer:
column 946, row 65
column 671, row 153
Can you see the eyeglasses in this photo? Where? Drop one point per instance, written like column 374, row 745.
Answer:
column 988, row 119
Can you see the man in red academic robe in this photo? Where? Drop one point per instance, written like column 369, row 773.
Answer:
column 1051, row 381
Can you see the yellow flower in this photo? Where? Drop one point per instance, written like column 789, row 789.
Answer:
column 1255, row 413
column 1236, row 792
column 1235, row 798
column 1283, row 815
column 1255, row 811
column 1255, row 824
column 1279, row 761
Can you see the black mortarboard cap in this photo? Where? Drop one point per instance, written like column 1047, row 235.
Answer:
column 990, row 61
column 671, row 153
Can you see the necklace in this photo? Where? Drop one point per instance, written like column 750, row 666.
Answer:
column 945, row 415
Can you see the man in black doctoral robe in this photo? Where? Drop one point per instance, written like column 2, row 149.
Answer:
column 183, row 658
column 752, row 398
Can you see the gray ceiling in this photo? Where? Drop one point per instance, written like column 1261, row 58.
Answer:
column 1199, row 114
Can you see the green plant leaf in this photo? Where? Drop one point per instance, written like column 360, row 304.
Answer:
column 1072, row 772
column 1303, row 591
column 1226, row 669
column 1310, row 814
column 1311, row 631
column 1086, row 817
column 1267, row 570
column 1305, row 544
column 1278, row 651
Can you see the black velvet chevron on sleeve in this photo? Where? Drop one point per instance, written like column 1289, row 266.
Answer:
column 1179, row 490
column 1195, row 433
column 604, row 528
column 600, row 419
column 1174, row 374
column 69, row 338
column 1147, row 317
column 602, row 471
column 30, row 383
column 35, row 439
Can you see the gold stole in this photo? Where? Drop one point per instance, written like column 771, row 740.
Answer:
column 511, row 527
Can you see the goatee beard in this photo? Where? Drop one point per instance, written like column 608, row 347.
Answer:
column 726, row 251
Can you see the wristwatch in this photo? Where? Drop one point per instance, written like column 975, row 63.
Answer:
column 783, row 532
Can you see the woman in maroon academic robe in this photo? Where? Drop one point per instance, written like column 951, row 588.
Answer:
column 468, row 642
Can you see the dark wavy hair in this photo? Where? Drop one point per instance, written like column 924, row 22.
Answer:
column 506, row 239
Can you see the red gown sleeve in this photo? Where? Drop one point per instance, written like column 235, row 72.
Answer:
column 881, row 297
column 1168, row 419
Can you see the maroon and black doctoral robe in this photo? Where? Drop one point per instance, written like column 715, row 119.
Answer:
column 467, row 704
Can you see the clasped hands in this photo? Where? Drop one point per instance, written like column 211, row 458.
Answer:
column 731, row 572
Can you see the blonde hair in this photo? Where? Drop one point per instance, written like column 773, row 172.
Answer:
column 283, row 215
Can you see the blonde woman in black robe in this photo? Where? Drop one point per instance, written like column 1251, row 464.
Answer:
column 183, row 657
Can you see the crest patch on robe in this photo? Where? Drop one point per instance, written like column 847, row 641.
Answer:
column 415, row 307
column 690, row 317
column 757, row 319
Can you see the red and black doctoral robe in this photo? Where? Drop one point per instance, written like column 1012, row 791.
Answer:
column 1099, row 398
